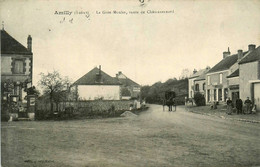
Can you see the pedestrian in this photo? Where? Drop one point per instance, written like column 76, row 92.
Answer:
column 229, row 106
column 248, row 104
column 239, row 106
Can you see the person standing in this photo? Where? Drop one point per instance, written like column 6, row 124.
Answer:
column 229, row 106
column 239, row 106
column 248, row 104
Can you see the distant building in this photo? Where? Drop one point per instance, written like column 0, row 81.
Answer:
column 216, row 78
column 249, row 75
column 16, row 72
column 130, row 89
column 197, row 82
column 97, row 85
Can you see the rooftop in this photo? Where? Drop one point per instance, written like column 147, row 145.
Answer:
column 199, row 74
column 91, row 78
column 9, row 45
column 225, row 63
column 127, row 82
column 234, row 74
column 252, row 56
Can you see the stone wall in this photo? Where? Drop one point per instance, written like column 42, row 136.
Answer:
column 86, row 106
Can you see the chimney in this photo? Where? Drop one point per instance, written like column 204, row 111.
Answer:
column 194, row 71
column 119, row 72
column 226, row 54
column 251, row 47
column 29, row 43
column 3, row 26
column 239, row 55
column 208, row 67
column 98, row 75
column 99, row 69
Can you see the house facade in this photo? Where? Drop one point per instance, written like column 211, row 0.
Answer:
column 97, row 85
column 197, row 82
column 16, row 75
column 129, row 89
column 217, row 82
column 233, row 85
column 249, row 76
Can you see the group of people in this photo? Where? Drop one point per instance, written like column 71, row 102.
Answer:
column 239, row 106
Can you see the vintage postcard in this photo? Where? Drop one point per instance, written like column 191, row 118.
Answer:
column 130, row 83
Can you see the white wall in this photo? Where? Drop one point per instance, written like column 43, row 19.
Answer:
column 257, row 95
column 6, row 64
column 233, row 81
column 247, row 71
column 191, row 91
column 92, row 92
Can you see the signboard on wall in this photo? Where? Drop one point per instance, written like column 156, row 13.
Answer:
column 32, row 101
column 136, row 89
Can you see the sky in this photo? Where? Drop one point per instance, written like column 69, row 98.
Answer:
column 146, row 47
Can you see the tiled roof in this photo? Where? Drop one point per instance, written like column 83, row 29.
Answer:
column 234, row 74
column 127, row 82
column 252, row 56
column 198, row 73
column 91, row 79
column 9, row 45
column 225, row 63
column 201, row 77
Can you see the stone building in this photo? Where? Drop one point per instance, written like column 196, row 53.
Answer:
column 16, row 74
column 217, row 84
column 130, row 89
column 97, row 85
column 249, row 76
column 197, row 82
column 233, row 85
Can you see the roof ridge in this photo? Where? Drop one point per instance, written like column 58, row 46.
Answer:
column 14, row 46
column 90, row 78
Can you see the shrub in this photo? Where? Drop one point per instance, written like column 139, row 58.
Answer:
column 5, row 117
column 199, row 99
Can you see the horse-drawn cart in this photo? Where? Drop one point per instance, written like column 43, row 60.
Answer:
column 169, row 100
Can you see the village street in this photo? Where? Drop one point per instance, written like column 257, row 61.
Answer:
column 153, row 138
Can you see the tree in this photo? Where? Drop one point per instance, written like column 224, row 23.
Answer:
column 54, row 86
column 125, row 91
column 199, row 99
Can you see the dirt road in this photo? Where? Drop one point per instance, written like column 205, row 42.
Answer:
column 154, row 138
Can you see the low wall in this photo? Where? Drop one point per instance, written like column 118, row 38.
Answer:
column 96, row 105
column 84, row 108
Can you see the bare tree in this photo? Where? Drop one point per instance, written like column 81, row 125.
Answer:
column 54, row 86
column 185, row 73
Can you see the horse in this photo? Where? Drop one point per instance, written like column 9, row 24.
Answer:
column 170, row 102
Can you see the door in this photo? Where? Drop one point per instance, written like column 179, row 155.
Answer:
column 257, row 95
column 235, row 96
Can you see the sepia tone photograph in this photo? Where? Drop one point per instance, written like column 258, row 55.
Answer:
column 130, row 83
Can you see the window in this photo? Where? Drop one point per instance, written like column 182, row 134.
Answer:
column 197, row 87
column 18, row 67
column 203, row 87
column 209, row 95
column 208, row 80
column 225, row 94
column 215, row 95
column 220, row 78
column 220, row 95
